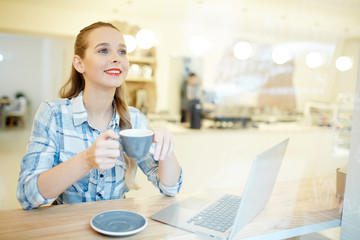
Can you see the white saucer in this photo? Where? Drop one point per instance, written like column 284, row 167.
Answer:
column 118, row 223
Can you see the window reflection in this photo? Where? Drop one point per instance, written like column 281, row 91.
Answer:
column 293, row 81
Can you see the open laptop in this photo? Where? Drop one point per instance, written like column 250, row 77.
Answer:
column 196, row 213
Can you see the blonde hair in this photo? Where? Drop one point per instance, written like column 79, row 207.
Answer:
column 76, row 83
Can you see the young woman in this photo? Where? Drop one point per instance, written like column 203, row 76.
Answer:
column 72, row 155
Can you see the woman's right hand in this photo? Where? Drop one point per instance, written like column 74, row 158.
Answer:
column 103, row 153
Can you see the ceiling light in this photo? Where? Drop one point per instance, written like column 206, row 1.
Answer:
column 198, row 45
column 145, row 38
column 130, row 42
column 281, row 55
column 1, row 57
column 314, row 60
column 242, row 50
column 343, row 63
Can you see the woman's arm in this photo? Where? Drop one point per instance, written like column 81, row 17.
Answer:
column 56, row 180
column 161, row 167
column 163, row 171
column 39, row 181
column 169, row 168
column 102, row 155
column 169, row 171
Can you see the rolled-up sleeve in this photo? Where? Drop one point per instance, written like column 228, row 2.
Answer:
column 172, row 190
column 40, row 156
column 150, row 168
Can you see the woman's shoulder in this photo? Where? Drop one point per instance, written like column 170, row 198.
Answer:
column 57, row 102
column 53, row 105
column 137, row 118
column 135, row 113
column 133, row 110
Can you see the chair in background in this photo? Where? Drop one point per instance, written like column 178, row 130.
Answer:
column 16, row 111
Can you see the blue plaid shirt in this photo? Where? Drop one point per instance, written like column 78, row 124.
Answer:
column 61, row 130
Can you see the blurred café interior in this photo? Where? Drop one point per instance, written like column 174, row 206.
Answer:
column 266, row 70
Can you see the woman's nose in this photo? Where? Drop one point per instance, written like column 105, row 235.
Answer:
column 115, row 57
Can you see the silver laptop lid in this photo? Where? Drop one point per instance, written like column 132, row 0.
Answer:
column 262, row 178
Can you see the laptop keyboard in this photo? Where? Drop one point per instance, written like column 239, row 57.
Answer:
column 219, row 216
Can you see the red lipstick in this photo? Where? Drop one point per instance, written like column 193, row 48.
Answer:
column 113, row 72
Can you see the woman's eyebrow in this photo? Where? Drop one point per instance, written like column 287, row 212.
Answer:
column 102, row 44
column 107, row 44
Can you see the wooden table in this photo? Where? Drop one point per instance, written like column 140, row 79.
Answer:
column 295, row 208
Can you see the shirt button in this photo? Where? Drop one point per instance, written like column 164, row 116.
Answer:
column 99, row 194
column 101, row 175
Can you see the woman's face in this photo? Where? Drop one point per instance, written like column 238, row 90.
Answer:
column 105, row 63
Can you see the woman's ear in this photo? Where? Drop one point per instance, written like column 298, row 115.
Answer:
column 78, row 64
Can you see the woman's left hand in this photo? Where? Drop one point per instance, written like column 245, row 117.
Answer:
column 164, row 144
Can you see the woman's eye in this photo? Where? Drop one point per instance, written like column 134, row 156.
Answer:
column 122, row 52
column 103, row 50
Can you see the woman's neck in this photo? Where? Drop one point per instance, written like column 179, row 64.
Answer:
column 98, row 105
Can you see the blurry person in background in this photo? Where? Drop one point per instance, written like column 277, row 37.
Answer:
column 193, row 96
column 184, row 102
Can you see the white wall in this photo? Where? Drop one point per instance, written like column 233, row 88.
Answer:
column 34, row 66
column 21, row 67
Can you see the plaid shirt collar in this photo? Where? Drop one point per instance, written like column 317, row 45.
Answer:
column 80, row 115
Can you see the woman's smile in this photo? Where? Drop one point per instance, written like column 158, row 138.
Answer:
column 113, row 72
